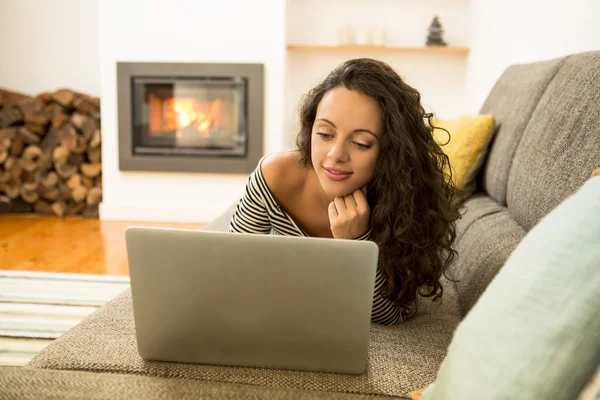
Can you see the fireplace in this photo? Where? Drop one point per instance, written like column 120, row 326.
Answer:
column 190, row 117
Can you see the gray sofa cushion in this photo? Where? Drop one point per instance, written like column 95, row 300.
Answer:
column 561, row 145
column 27, row 384
column 512, row 101
column 486, row 235
column 401, row 358
column 221, row 223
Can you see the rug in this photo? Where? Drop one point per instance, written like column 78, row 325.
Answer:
column 38, row 307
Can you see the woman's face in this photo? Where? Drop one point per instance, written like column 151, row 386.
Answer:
column 345, row 141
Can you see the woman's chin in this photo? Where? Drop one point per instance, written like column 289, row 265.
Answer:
column 337, row 189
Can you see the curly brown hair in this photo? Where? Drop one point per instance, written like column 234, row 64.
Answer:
column 414, row 202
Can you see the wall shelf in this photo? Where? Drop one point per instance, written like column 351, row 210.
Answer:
column 385, row 49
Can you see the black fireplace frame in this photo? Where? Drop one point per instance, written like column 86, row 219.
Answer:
column 128, row 161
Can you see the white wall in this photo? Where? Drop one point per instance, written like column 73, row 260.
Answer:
column 47, row 45
column 184, row 31
column 440, row 78
column 516, row 31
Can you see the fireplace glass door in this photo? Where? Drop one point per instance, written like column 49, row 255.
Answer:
column 190, row 116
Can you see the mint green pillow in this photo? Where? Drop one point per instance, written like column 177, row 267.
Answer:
column 535, row 331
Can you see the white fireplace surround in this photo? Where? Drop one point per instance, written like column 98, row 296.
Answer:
column 184, row 31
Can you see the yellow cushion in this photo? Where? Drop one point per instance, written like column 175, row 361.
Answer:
column 470, row 137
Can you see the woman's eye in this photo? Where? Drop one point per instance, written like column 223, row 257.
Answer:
column 325, row 135
column 362, row 146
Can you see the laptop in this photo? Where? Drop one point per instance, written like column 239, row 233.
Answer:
column 236, row 299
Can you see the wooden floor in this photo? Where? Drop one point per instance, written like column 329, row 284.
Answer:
column 73, row 245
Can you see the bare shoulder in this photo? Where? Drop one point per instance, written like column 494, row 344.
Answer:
column 283, row 173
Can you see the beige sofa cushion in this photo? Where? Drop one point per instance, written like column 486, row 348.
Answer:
column 561, row 145
column 401, row 358
column 29, row 384
column 512, row 101
column 486, row 235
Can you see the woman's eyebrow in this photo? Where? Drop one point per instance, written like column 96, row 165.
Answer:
column 354, row 131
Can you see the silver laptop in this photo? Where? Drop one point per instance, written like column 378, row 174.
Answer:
column 252, row 300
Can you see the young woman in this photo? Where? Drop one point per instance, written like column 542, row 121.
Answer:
column 366, row 168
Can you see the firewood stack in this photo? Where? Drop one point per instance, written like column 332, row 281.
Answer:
column 50, row 158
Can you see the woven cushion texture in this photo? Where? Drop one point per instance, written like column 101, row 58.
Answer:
column 401, row 358
column 535, row 332
column 28, row 384
column 512, row 101
column 561, row 145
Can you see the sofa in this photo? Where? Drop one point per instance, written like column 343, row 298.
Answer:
column 545, row 145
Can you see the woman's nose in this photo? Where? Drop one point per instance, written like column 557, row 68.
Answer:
column 337, row 152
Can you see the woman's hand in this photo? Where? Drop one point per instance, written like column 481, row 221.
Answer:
column 349, row 215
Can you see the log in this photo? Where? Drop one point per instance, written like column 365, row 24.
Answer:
column 60, row 155
column 3, row 155
column 64, row 193
column 50, row 141
column 65, row 171
column 28, row 136
column 87, row 105
column 76, row 159
column 79, row 194
column 84, row 124
column 10, row 99
column 5, row 145
column 8, row 133
column 12, row 188
column 64, row 97
column 45, row 163
column 49, row 193
column 10, row 116
column 27, row 165
column 32, row 152
column 96, row 139
column 42, row 207
column 91, row 170
column 39, row 130
column 74, row 181
column 59, row 119
column 94, row 155
column 51, row 180
column 71, row 139
column 75, row 208
column 94, row 196
column 44, row 97
column 13, row 167
column 91, row 212
column 59, row 208
column 87, row 182
column 33, row 112
column 29, row 192
column 17, row 146
column 5, row 176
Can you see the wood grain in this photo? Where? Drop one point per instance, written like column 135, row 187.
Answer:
column 73, row 245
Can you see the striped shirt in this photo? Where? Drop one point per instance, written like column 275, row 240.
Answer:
column 258, row 212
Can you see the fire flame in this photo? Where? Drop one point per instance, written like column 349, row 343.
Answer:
column 183, row 113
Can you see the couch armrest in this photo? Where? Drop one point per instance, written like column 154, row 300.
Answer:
column 221, row 223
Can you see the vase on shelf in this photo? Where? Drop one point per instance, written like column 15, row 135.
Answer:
column 362, row 37
column 346, row 37
column 380, row 37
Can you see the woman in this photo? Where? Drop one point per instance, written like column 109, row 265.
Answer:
column 367, row 168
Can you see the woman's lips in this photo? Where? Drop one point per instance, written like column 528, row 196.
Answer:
column 336, row 174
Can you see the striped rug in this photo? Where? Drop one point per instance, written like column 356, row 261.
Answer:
column 38, row 307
